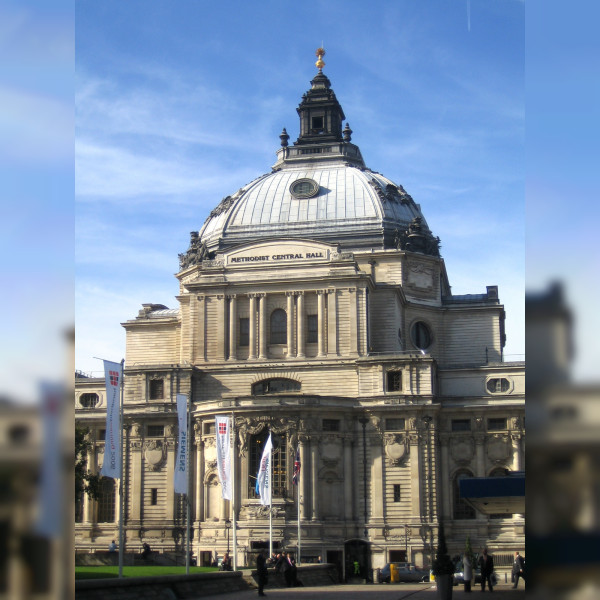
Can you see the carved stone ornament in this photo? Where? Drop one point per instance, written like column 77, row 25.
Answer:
column 169, row 430
column 396, row 448
column 154, row 453
column 376, row 423
column 417, row 238
column 137, row 429
column 420, row 276
column 462, row 449
column 479, row 422
column 211, row 464
column 499, row 448
column 196, row 253
column 330, row 449
column 279, row 426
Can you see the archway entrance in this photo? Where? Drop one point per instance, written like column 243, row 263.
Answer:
column 357, row 559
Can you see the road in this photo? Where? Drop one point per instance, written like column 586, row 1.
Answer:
column 401, row 591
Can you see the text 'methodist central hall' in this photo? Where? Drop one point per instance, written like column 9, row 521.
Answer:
column 314, row 303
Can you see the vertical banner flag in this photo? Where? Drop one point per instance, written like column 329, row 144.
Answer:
column 180, row 481
column 296, row 476
column 111, row 467
column 52, row 485
column 223, row 455
column 263, row 480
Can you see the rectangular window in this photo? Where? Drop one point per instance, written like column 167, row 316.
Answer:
column 157, row 389
column 396, row 492
column 331, row 425
column 461, row 425
column 317, row 122
column 154, row 496
column 156, row 430
column 209, row 428
column 394, row 381
column 101, row 435
column 395, row 424
column 496, row 424
column 312, row 324
column 244, row 331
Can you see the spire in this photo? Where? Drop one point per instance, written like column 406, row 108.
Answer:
column 320, row 53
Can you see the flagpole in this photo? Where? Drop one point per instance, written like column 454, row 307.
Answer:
column 298, row 559
column 187, row 496
column 233, row 492
column 121, row 490
column 271, row 500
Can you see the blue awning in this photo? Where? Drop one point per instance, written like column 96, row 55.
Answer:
column 495, row 495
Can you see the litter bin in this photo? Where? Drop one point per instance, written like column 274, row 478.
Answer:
column 394, row 575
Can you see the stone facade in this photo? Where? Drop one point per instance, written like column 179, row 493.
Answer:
column 391, row 387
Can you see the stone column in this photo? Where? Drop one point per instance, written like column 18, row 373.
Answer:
column 137, row 460
column 517, row 451
column 232, row 327
column 446, row 487
column 332, row 323
column 201, row 341
column 262, row 324
column 221, row 327
column 349, row 474
column 252, row 322
column 321, row 295
column 377, row 479
column 415, row 474
column 170, row 491
column 301, row 337
column 303, row 478
column 480, row 464
column 199, row 473
column 290, row 324
column 353, row 317
column 88, row 505
column 314, row 451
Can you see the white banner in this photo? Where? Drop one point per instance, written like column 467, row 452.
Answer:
column 111, row 467
column 52, row 484
column 263, row 479
column 222, row 425
column 180, row 481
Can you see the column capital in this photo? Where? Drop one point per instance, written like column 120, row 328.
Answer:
column 200, row 298
column 322, row 292
column 231, row 296
column 292, row 294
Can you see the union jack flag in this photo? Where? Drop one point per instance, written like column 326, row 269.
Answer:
column 296, row 475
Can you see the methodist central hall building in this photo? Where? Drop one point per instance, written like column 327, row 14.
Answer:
column 314, row 303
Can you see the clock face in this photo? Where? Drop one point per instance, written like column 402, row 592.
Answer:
column 304, row 188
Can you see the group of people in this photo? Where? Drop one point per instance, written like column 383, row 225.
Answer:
column 486, row 566
column 282, row 562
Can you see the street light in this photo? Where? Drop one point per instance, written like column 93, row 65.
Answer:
column 227, row 527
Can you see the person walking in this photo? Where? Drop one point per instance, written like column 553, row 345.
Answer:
column 467, row 572
column 486, row 564
column 518, row 569
column 261, row 572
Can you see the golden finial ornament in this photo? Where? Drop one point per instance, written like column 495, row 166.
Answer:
column 320, row 53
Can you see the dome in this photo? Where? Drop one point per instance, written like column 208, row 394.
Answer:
column 320, row 189
column 352, row 206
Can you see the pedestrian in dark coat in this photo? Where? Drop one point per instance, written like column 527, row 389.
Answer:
column 261, row 572
column 486, row 564
column 518, row 569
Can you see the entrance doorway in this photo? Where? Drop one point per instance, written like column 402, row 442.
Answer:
column 336, row 557
column 358, row 560
column 397, row 556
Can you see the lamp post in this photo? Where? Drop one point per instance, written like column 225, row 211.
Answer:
column 227, row 527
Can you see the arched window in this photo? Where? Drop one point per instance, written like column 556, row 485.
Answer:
column 277, row 385
column 280, row 475
column 106, row 501
column 461, row 509
column 278, row 326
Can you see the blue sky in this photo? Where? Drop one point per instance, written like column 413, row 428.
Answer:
column 180, row 104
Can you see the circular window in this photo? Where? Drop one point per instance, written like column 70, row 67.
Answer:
column 420, row 335
column 304, row 188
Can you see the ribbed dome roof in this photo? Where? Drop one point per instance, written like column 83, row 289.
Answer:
column 354, row 207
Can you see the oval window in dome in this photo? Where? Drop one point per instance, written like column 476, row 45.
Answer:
column 304, row 188
column 420, row 335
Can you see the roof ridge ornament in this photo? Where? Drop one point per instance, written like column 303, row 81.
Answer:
column 320, row 53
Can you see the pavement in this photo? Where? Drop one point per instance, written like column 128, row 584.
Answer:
column 399, row 591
